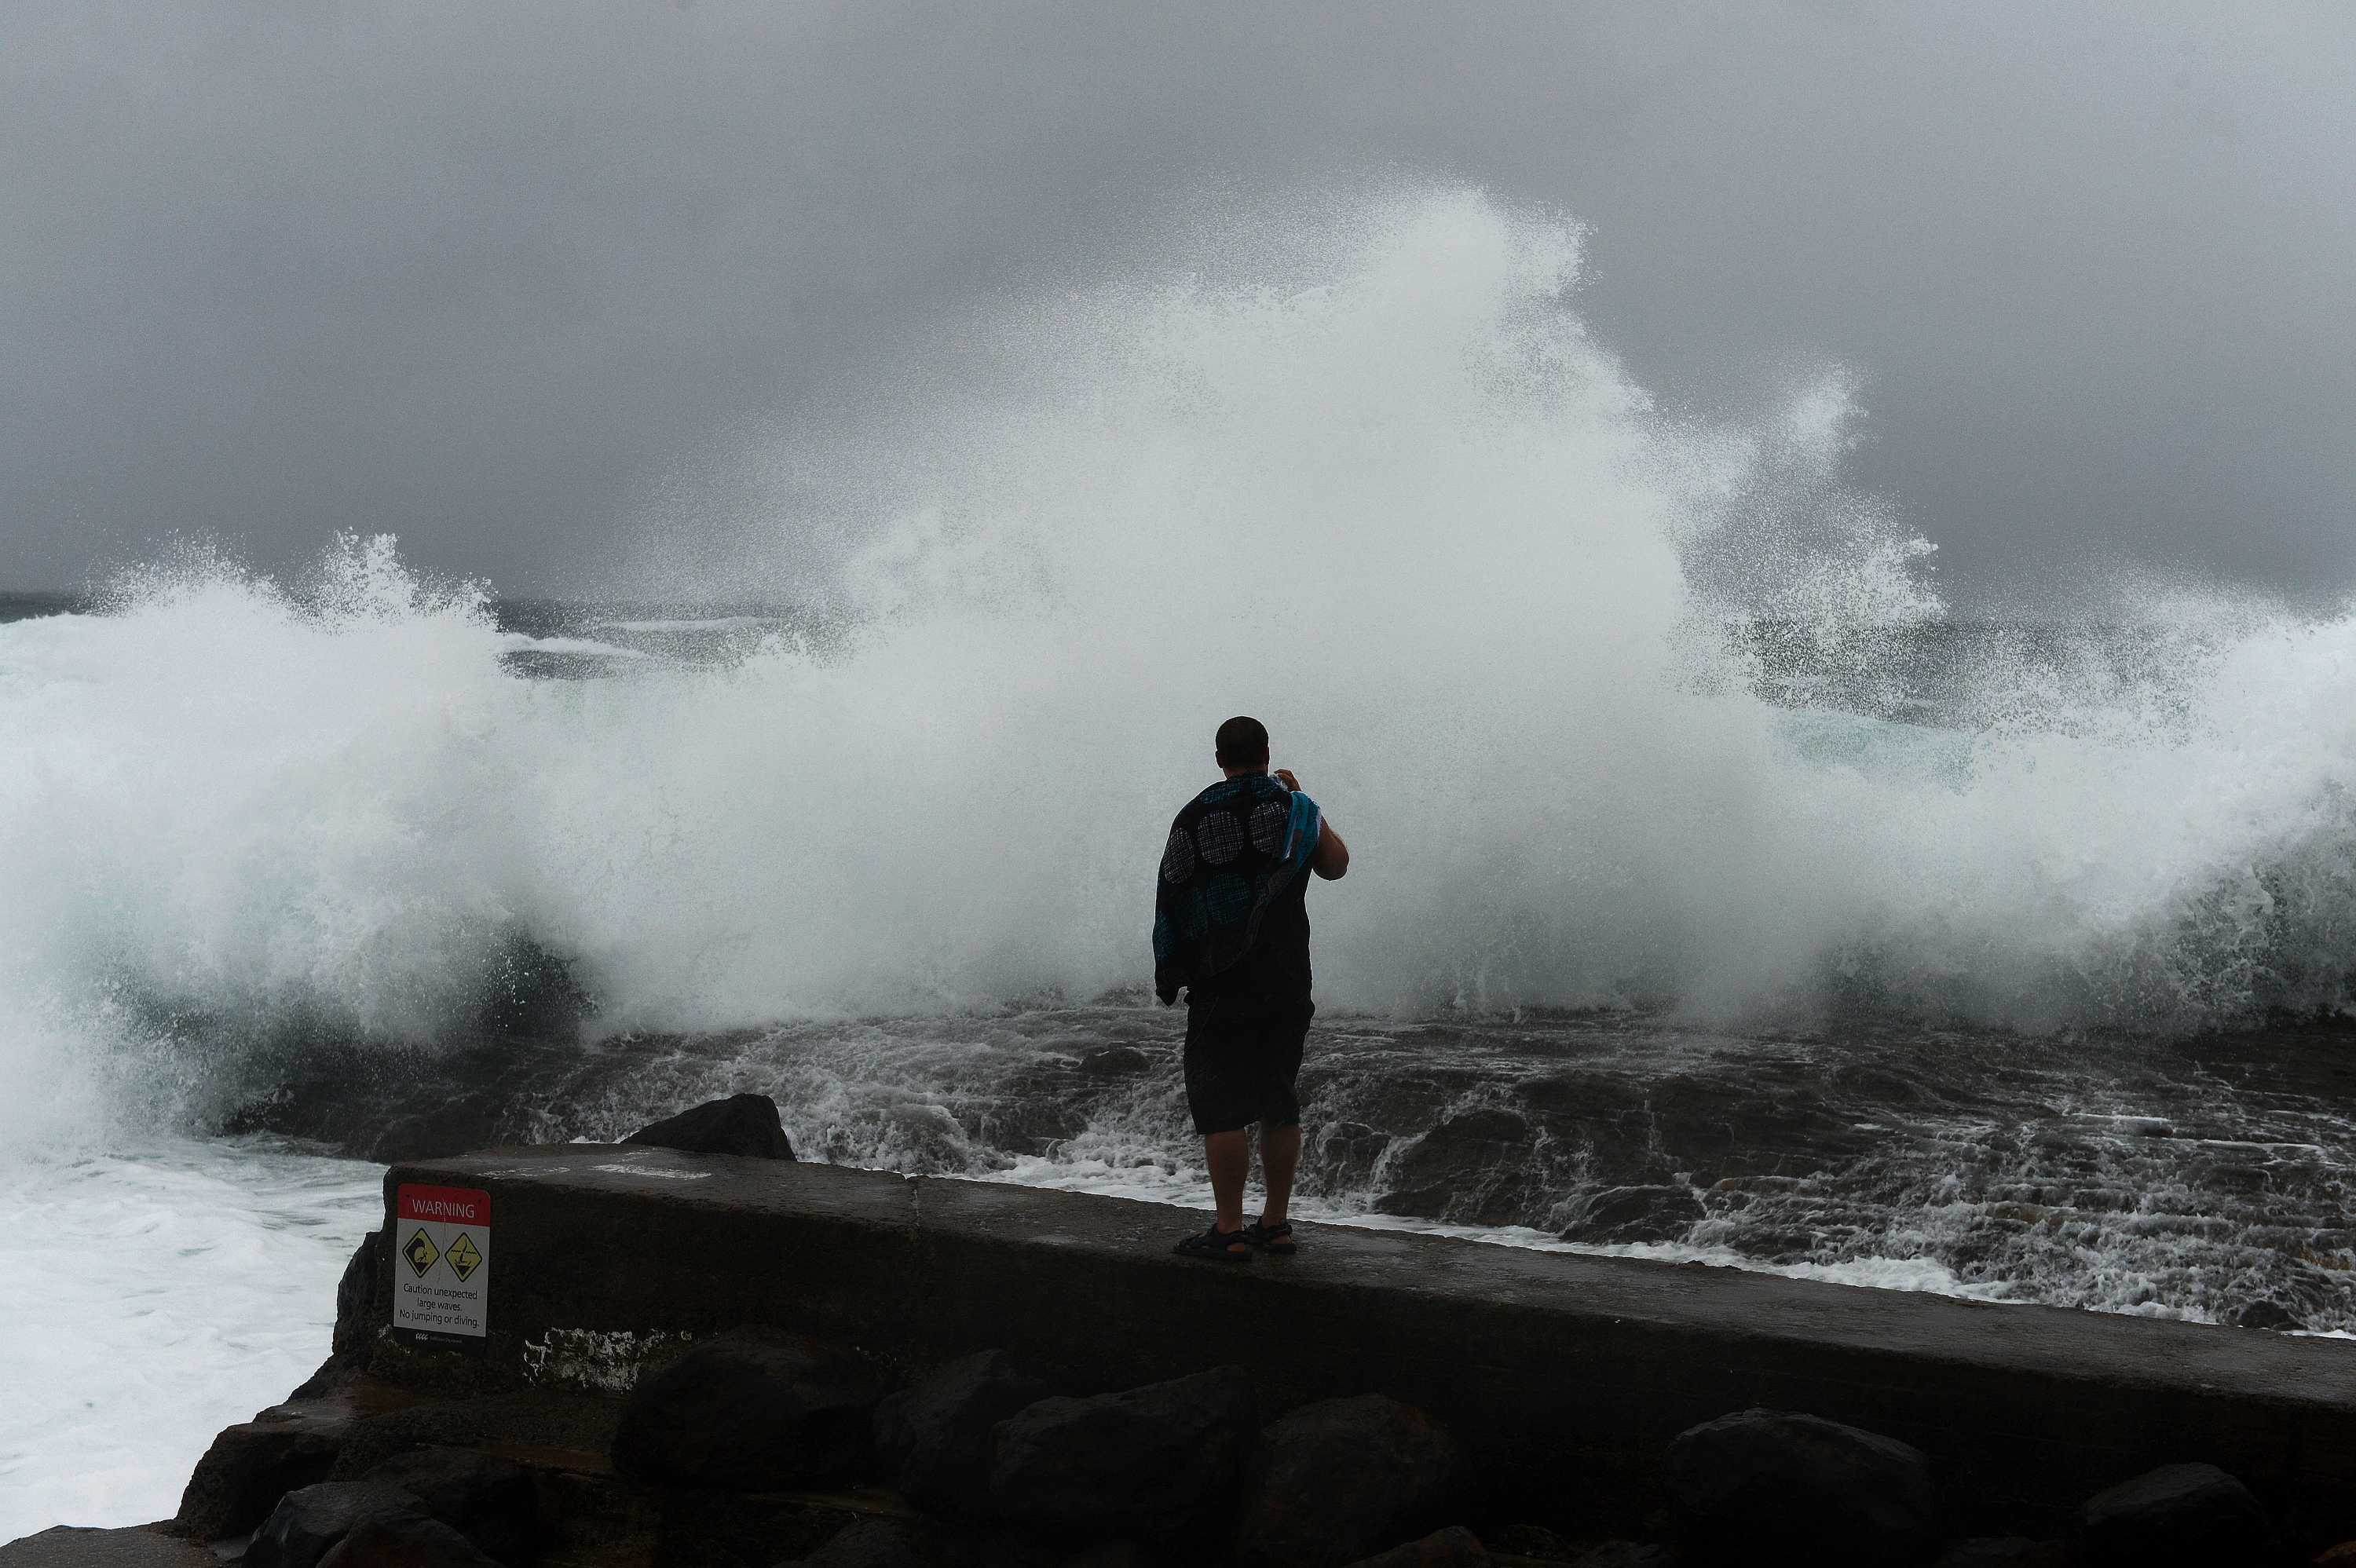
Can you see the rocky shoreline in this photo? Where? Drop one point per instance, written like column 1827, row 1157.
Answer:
column 2196, row 1178
column 757, row 1448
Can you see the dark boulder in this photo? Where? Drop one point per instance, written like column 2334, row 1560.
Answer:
column 465, row 1116
column 405, row 1540
column 1524, row 1539
column 749, row 1411
column 741, row 1123
column 935, row 1436
column 2004, row 1552
column 2266, row 1312
column 1344, row 1478
column 308, row 1522
column 355, row 1299
column 1155, row 1459
column 490, row 1501
column 1115, row 1061
column 1343, row 1155
column 2178, row 1513
column 697, row 1528
column 248, row 1468
column 1626, row 1554
column 879, row 1543
column 1618, row 1215
column 387, row 1434
column 1455, row 1547
column 1118, row 1554
column 1775, row 1482
column 1473, row 1169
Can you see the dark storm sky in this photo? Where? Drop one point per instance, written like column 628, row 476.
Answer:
column 481, row 273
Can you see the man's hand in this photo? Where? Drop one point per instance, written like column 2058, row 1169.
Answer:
column 1331, row 858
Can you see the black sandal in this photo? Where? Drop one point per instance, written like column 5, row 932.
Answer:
column 1274, row 1240
column 1219, row 1246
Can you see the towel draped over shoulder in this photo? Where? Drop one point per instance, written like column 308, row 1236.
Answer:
column 1236, row 850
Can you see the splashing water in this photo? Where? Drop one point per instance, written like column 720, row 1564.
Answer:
column 1396, row 502
column 1615, row 709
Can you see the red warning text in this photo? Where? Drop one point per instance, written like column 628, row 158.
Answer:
column 451, row 1205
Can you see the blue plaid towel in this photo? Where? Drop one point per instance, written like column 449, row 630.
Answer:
column 1235, row 848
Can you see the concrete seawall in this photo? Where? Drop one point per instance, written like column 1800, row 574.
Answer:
column 1567, row 1375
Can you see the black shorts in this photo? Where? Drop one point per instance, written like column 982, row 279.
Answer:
column 1241, row 1066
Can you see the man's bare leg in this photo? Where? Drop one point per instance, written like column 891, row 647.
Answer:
column 1228, row 1156
column 1280, row 1157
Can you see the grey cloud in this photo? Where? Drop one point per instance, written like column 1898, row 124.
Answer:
column 481, row 275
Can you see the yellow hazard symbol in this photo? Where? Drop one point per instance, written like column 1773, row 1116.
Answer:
column 464, row 1259
column 420, row 1252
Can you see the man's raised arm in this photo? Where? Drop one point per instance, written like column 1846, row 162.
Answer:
column 1331, row 859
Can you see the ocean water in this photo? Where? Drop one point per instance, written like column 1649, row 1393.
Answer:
column 159, row 1291
column 1717, row 892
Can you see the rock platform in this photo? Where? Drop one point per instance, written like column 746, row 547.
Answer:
column 709, row 1359
column 1565, row 1376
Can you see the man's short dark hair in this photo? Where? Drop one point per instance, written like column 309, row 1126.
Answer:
column 1243, row 743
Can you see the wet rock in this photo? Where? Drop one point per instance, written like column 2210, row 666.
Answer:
column 1877, row 1084
column 405, row 1540
column 935, row 1436
column 2004, row 1552
column 442, row 1133
column 1626, row 1554
column 741, row 1123
column 355, row 1299
column 1472, row 1167
column 1525, row 1539
column 1115, row 1061
column 248, row 1468
column 1455, row 1547
column 2263, row 1313
column 1342, row 1479
column 1109, row 1555
column 2178, row 1513
column 80, row 1546
column 1778, row 1482
column 1156, row 1457
column 702, row 1529
column 879, row 1543
column 601, row 1508
column 526, row 990
column 752, row 1411
column 388, row 1433
column 489, row 1500
column 1618, row 1215
column 1340, row 1156
column 476, row 1420
column 390, row 1104
column 308, row 1522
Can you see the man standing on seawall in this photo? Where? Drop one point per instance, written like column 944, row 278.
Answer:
column 1231, row 929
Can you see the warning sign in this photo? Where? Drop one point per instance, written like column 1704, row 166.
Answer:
column 441, row 1282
